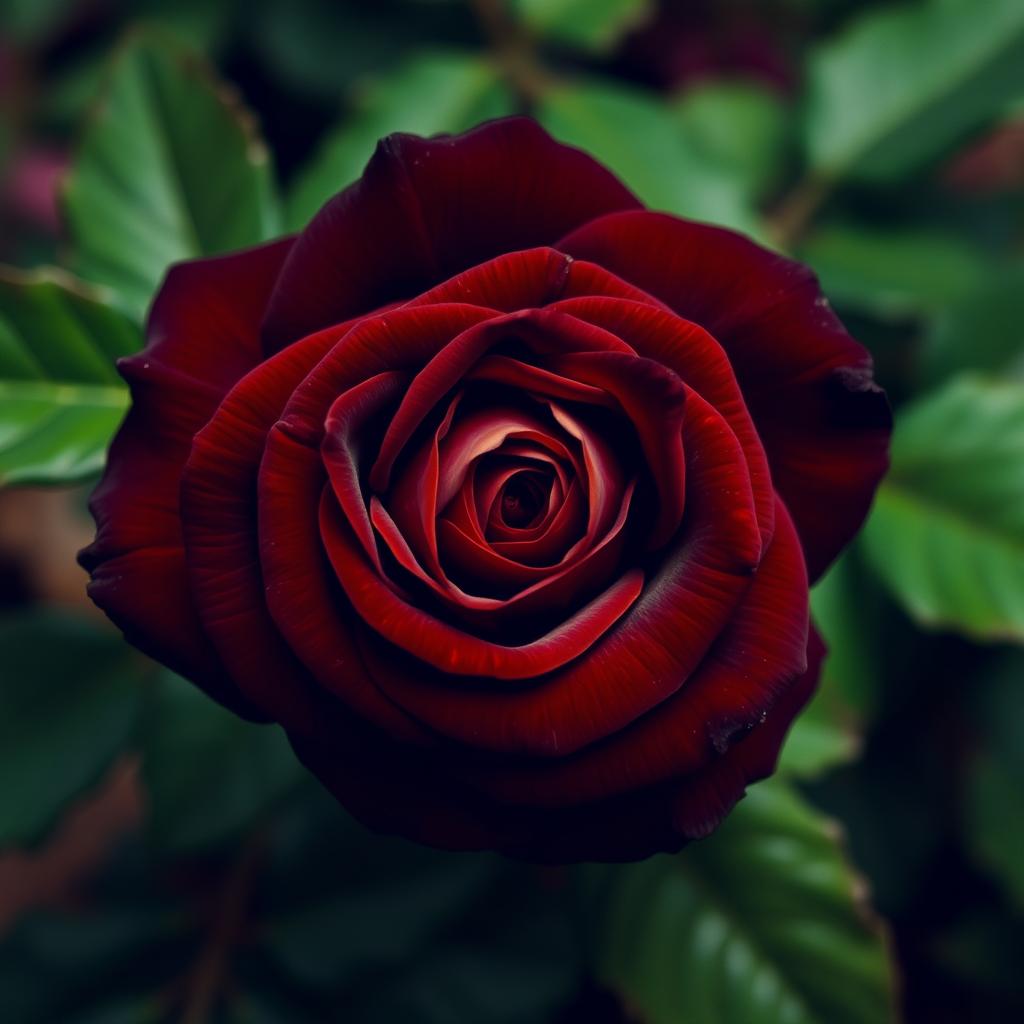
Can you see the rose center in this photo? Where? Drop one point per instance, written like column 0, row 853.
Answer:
column 523, row 500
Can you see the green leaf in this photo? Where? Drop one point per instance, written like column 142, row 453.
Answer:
column 825, row 735
column 393, row 930
column 638, row 137
column 88, row 967
column 902, row 83
column 946, row 534
column 764, row 921
column 741, row 128
column 60, row 397
column 208, row 773
column 593, row 25
column 893, row 273
column 28, row 21
column 385, row 922
column 995, row 777
column 847, row 608
column 431, row 94
column 69, row 704
column 981, row 330
column 170, row 168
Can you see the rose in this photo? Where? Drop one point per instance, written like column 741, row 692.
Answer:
column 496, row 491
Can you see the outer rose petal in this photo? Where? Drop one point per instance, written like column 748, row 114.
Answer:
column 371, row 776
column 219, row 526
column 426, row 209
column 824, row 423
column 202, row 337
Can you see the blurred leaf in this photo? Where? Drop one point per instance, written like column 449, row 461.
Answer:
column 391, row 930
column 893, row 273
column 60, row 397
column 594, row 25
column 762, row 922
column 946, row 534
column 824, row 735
column 981, row 330
column 321, row 48
column 27, row 21
column 520, row 979
column 901, row 83
column 208, row 773
column 994, row 826
column 431, row 94
column 331, row 943
column 739, row 127
column 170, row 167
column 638, row 137
column 69, row 704
column 71, row 969
column 846, row 608
column 983, row 948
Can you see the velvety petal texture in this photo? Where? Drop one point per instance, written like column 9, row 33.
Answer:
column 500, row 493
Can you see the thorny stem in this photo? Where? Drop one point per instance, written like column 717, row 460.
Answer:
column 209, row 973
column 513, row 49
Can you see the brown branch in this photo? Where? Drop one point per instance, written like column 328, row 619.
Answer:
column 211, row 968
column 514, row 50
column 789, row 222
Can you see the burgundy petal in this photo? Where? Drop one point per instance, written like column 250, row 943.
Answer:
column 696, row 358
column 218, row 499
column 474, row 558
column 428, row 208
column 652, row 397
column 758, row 657
column 704, row 799
column 452, row 650
column 299, row 587
column 824, row 423
column 542, row 330
column 201, row 337
column 343, row 442
column 646, row 657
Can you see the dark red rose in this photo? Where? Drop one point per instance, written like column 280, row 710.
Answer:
column 499, row 492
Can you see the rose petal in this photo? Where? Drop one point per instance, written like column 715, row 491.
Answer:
column 428, row 208
column 652, row 397
column 300, row 592
column 696, row 358
column 756, row 659
column 825, row 425
column 477, row 561
column 342, row 444
column 641, row 662
column 201, row 337
column 541, row 330
column 703, row 800
column 452, row 650
column 218, row 494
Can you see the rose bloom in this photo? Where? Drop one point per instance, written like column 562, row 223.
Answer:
column 499, row 492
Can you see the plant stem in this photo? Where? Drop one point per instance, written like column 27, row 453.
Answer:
column 789, row 222
column 210, row 971
column 514, row 50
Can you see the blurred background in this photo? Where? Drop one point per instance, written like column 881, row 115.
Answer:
column 161, row 861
